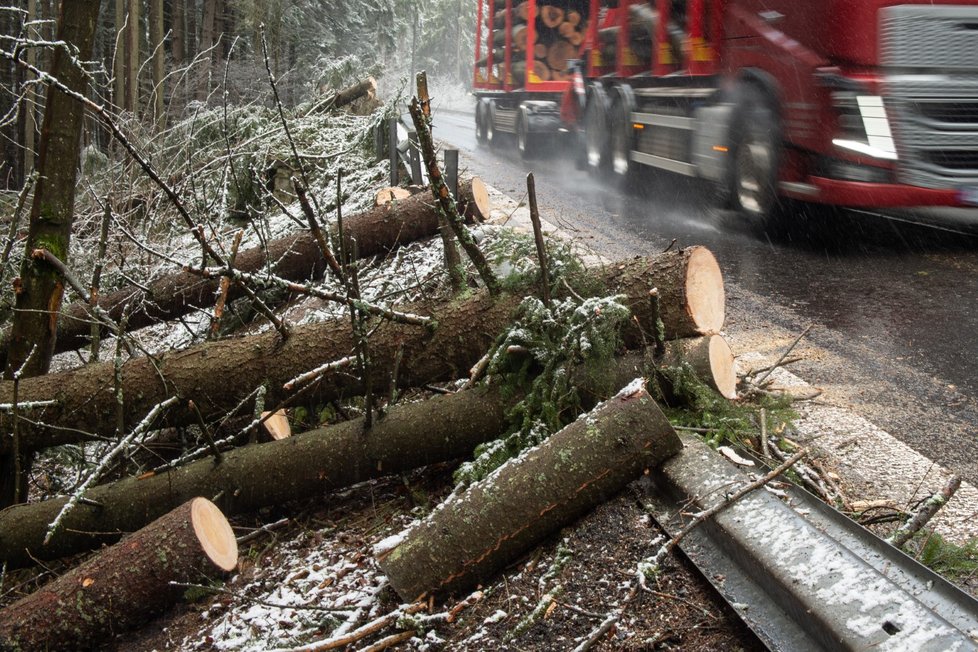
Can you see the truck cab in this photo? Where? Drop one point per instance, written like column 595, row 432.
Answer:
column 870, row 103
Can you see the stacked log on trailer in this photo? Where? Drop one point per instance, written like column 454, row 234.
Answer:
column 642, row 25
column 557, row 36
column 643, row 21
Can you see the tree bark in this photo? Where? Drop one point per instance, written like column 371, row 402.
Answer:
column 296, row 258
column 409, row 436
column 41, row 286
column 159, row 59
column 469, row 538
column 52, row 209
column 178, row 49
column 312, row 463
column 217, row 375
column 208, row 29
column 125, row 584
column 133, row 58
column 365, row 88
column 119, row 68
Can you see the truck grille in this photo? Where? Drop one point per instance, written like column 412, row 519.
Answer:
column 930, row 55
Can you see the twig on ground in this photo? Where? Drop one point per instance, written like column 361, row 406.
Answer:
column 531, row 191
column 759, row 381
column 926, row 512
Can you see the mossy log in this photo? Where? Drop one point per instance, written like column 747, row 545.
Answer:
column 307, row 464
column 217, row 375
column 125, row 584
column 471, row 536
column 296, row 258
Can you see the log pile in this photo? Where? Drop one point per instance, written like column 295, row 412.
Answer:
column 676, row 295
column 557, row 36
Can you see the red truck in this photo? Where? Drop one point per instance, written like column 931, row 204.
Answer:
column 870, row 103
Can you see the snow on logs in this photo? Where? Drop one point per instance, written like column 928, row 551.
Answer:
column 216, row 376
column 295, row 258
column 409, row 436
column 473, row 535
column 125, row 584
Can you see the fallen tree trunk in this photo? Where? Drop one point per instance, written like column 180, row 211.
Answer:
column 365, row 88
column 472, row 536
column 409, row 436
column 296, row 258
column 217, row 375
column 124, row 584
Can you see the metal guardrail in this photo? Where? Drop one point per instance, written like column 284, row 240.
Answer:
column 804, row 577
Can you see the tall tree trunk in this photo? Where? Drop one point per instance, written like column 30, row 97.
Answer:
column 179, row 27
column 159, row 61
column 10, row 164
column 41, row 286
column 119, row 68
column 207, row 31
column 133, row 58
column 30, row 110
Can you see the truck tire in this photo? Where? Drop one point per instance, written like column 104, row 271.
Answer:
column 622, row 136
column 527, row 143
column 755, row 157
column 596, row 141
column 492, row 135
column 480, row 123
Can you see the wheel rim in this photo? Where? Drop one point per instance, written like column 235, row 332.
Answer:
column 490, row 131
column 753, row 168
column 521, row 137
column 593, row 135
column 620, row 146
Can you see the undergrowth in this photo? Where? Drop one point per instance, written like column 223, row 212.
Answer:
column 957, row 563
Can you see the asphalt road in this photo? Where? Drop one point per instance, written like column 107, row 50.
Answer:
column 892, row 299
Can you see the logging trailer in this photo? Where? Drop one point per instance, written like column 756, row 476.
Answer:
column 868, row 103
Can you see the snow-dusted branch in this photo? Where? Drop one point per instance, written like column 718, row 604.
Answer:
column 97, row 472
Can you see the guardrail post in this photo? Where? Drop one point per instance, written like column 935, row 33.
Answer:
column 415, row 155
column 392, row 149
column 451, row 171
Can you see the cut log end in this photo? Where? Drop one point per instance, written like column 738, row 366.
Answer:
column 480, row 200
column 704, row 291
column 214, row 533
column 722, row 364
column 385, row 196
column 276, row 425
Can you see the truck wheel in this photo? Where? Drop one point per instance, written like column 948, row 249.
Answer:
column 526, row 143
column 480, row 123
column 755, row 156
column 623, row 169
column 492, row 136
column 596, row 142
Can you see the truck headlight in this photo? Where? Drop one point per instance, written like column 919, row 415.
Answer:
column 863, row 126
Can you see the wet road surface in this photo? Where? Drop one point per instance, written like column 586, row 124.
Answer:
column 894, row 304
